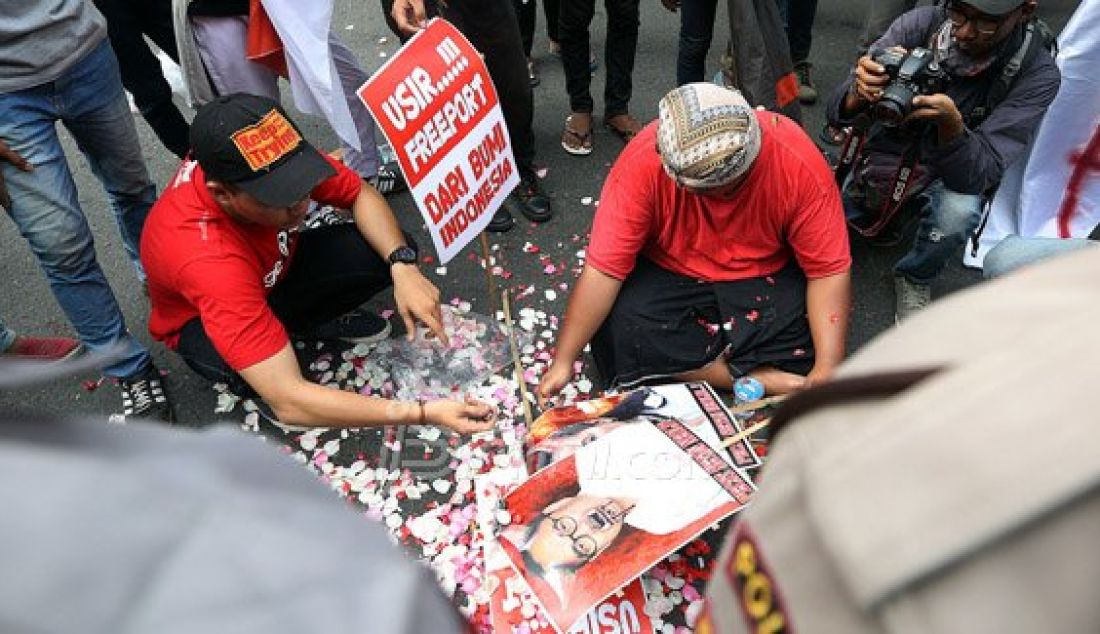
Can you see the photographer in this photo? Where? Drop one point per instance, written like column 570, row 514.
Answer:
column 935, row 128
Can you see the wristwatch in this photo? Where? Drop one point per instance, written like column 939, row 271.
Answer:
column 403, row 255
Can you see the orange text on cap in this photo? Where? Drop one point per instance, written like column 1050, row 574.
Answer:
column 266, row 141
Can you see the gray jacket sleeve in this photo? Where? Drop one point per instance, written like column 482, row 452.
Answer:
column 977, row 159
column 908, row 31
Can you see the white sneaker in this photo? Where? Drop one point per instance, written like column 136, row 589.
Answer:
column 909, row 298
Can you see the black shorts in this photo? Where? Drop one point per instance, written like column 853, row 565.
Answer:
column 663, row 324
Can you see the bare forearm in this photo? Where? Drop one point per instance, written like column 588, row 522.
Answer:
column 589, row 305
column 828, row 300
column 375, row 220
column 297, row 401
column 312, row 405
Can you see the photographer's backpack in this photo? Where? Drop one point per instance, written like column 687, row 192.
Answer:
column 1037, row 36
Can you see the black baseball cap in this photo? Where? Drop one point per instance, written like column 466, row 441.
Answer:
column 993, row 7
column 249, row 141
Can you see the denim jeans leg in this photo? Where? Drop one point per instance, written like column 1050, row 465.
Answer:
column 947, row 219
column 1015, row 252
column 47, row 213
column 93, row 107
column 7, row 336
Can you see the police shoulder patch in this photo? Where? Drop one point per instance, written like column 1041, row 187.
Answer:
column 758, row 594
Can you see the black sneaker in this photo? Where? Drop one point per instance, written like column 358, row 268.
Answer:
column 354, row 327
column 389, row 179
column 502, row 221
column 529, row 200
column 144, row 396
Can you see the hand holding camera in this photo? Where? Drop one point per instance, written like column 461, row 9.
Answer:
column 904, row 86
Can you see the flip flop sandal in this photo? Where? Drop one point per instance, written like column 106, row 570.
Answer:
column 626, row 132
column 574, row 141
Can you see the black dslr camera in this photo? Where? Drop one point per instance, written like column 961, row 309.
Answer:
column 914, row 73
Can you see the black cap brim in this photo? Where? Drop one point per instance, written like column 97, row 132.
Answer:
column 292, row 180
column 993, row 7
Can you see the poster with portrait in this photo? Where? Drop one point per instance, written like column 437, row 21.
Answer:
column 588, row 524
column 512, row 606
column 562, row 430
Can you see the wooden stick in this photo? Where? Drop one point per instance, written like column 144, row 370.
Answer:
column 505, row 301
column 757, row 404
column 738, row 437
column 490, row 281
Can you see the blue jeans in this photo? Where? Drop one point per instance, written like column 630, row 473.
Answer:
column 947, row 219
column 1014, row 252
column 7, row 336
column 89, row 101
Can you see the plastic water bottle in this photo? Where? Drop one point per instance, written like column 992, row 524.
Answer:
column 746, row 390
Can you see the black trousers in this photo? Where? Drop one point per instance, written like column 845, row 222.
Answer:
column 799, row 18
column 663, row 324
column 526, row 13
column 621, row 45
column 493, row 29
column 696, row 33
column 333, row 272
column 127, row 22
column 551, row 9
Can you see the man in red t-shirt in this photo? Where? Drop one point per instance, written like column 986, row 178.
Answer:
column 230, row 275
column 718, row 250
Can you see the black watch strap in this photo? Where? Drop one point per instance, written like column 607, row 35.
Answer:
column 402, row 255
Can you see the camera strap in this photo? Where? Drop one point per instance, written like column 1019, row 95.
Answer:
column 854, row 138
column 899, row 191
column 901, row 184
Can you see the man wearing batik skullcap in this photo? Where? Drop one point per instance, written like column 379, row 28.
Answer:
column 718, row 250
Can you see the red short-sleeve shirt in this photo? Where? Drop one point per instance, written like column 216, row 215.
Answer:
column 788, row 206
column 202, row 263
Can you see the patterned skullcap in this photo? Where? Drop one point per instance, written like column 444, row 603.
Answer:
column 707, row 135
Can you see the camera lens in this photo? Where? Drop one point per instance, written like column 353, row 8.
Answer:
column 894, row 105
column 888, row 112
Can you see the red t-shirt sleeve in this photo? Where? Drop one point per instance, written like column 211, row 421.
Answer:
column 818, row 235
column 340, row 190
column 230, row 298
column 623, row 220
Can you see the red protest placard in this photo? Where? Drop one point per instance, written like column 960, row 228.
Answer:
column 436, row 105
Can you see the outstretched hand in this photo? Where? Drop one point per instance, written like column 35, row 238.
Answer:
column 552, row 381
column 469, row 417
column 417, row 300
column 409, row 15
column 870, row 80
